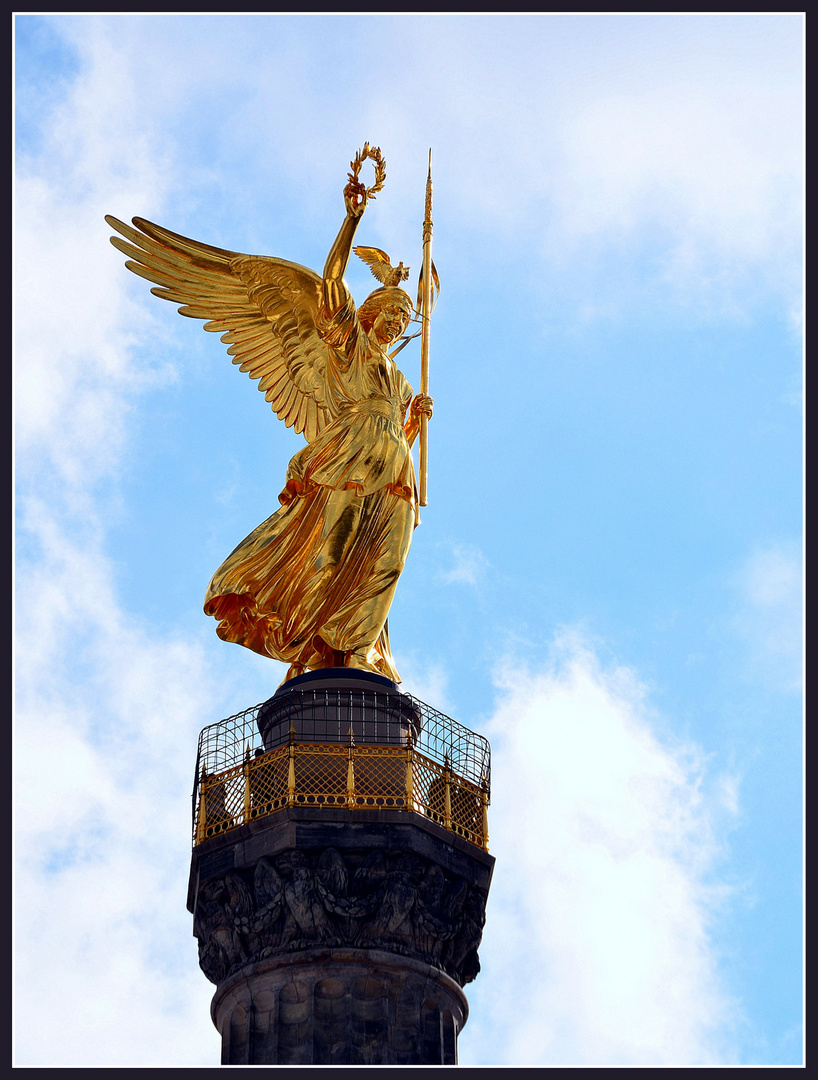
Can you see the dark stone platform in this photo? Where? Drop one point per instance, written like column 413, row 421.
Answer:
column 335, row 704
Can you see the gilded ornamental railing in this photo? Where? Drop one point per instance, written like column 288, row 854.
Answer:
column 438, row 768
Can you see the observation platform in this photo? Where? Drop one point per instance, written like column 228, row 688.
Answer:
column 342, row 739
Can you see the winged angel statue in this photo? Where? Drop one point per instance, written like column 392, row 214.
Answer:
column 312, row 585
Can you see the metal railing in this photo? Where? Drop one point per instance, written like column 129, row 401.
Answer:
column 355, row 750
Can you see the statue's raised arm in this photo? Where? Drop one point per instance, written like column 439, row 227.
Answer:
column 312, row 585
column 334, row 290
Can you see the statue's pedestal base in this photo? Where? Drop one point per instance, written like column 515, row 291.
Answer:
column 339, row 1007
column 339, row 876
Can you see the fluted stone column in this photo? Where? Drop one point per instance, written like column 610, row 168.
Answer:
column 339, row 1007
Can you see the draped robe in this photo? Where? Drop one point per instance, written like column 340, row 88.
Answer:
column 312, row 585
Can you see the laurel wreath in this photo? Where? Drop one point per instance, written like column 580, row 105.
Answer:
column 376, row 157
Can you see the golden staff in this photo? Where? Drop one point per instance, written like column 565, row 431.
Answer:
column 426, row 311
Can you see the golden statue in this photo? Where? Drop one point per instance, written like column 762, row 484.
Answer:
column 312, row 585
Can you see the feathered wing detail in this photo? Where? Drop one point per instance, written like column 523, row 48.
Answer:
column 381, row 267
column 265, row 309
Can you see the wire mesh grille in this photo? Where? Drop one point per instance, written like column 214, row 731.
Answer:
column 341, row 748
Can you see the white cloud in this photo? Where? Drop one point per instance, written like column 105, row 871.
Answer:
column 105, row 739
column 711, row 158
column 770, row 617
column 573, row 136
column 424, row 679
column 107, row 712
column 598, row 948
column 584, row 137
column 469, row 565
column 74, row 369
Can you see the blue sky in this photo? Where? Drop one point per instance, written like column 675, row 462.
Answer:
column 607, row 580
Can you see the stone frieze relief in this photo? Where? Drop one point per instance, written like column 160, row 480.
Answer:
column 395, row 901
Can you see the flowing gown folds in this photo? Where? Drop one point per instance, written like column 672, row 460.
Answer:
column 316, row 579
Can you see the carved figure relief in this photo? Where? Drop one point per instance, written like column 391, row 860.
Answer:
column 386, row 900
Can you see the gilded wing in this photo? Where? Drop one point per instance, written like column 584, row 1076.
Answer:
column 380, row 265
column 264, row 308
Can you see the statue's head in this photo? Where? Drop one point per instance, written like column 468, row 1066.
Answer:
column 387, row 311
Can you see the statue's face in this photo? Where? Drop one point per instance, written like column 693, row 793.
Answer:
column 391, row 323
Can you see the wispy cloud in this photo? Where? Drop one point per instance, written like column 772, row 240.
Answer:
column 635, row 134
column 75, row 372
column 469, row 565
column 769, row 588
column 605, row 894
column 107, row 715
